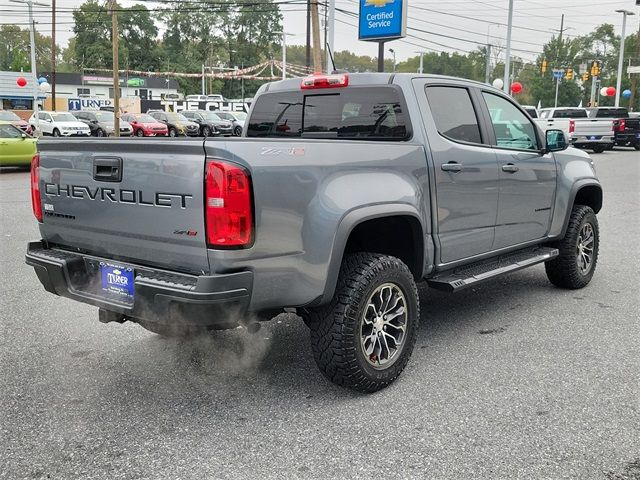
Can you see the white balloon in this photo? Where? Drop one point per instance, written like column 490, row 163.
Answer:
column 498, row 83
column 603, row 92
column 45, row 87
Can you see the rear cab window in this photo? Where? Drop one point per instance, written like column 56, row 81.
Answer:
column 352, row 113
column 570, row 113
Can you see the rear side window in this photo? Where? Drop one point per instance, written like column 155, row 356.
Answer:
column 570, row 113
column 454, row 113
column 372, row 113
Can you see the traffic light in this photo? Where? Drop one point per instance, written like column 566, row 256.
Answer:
column 569, row 74
column 543, row 67
column 595, row 69
column 585, row 77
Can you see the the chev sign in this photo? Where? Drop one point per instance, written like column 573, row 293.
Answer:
column 382, row 20
column 75, row 104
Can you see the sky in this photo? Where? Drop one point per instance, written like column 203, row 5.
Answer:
column 434, row 25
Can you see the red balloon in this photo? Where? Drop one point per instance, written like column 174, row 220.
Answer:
column 21, row 81
column 516, row 87
column 611, row 91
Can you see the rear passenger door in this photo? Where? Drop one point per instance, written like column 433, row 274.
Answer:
column 527, row 175
column 466, row 170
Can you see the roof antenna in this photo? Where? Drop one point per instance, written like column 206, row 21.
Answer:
column 331, row 57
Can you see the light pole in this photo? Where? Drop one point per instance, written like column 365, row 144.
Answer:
column 393, row 52
column 421, row 53
column 284, row 52
column 621, row 57
column 32, row 32
column 507, row 58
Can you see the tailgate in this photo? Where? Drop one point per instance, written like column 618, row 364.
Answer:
column 599, row 127
column 149, row 212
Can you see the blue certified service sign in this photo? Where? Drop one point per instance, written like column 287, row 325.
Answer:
column 382, row 19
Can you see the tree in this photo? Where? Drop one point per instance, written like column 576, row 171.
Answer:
column 15, row 48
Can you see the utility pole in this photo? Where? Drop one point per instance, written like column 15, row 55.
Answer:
column 555, row 104
column 421, row 68
column 331, row 28
column 634, row 81
column 53, row 55
column 203, row 79
column 621, row 57
column 507, row 58
column 487, row 69
column 315, row 22
column 308, row 45
column 116, row 73
column 32, row 37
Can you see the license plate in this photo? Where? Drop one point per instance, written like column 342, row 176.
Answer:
column 637, row 135
column 594, row 137
column 117, row 280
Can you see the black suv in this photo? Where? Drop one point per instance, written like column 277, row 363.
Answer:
column 210, row 123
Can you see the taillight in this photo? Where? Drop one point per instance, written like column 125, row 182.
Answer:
column 572, row 126
column 621, row 125
column 228, row 212
column 36, row 203
column 319, row 80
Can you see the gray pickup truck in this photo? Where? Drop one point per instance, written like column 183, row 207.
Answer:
column 342, row 193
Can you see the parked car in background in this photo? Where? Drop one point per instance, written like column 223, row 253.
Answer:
column 177, row 124
column 59, row 124
column 102, row 123
column 531, row 110
column 15, row 120
column 210, row 123
column 16, row 147
column 626, row 128
column 580, row 130
column 196, row 98
column 145, row 125
column 237, row 118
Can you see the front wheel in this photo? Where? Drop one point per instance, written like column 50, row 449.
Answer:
column 140, row 133
column 172, row 132
column 364, row 337
column 56, row 132
column 575, row 265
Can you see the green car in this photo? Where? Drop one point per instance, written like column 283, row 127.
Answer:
column 16, row 147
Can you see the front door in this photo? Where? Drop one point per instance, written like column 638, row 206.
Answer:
column 466, row 171
column 527, row 176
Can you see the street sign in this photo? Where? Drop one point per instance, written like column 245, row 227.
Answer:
column 382, row 20
column 635, row 69
column 558, row 74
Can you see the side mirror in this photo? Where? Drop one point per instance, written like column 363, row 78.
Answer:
column 24, row 136
column 556, row 141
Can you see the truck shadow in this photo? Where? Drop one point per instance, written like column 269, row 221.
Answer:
column 278, row 358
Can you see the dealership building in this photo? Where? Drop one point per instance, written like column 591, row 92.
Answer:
column 16, row 97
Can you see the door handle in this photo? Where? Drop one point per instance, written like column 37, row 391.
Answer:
column 510, row 168
column 451, row 167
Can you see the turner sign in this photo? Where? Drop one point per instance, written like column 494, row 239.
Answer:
column 382, row 20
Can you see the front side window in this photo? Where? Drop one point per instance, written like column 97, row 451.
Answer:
column 454, row 114
column 513, row 129
column 370, row 113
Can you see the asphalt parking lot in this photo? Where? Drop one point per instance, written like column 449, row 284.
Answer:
column 513, row 379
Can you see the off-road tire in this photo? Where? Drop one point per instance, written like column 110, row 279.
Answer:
column 563, row 270
column 336, row 327
column 173, row 330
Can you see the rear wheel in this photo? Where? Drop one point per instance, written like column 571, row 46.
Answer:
column 206, row 131
column 576, row 264
column 172, row 132
column 637, row 146
column 598, row 149
column 363, row 339
column 99, row 133
column 237, row 131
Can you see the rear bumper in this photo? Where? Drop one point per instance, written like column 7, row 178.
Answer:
column 159, row 296
column 584, row 141
column 624, row 138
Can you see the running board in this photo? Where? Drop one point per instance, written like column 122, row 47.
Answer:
column 468, row 275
